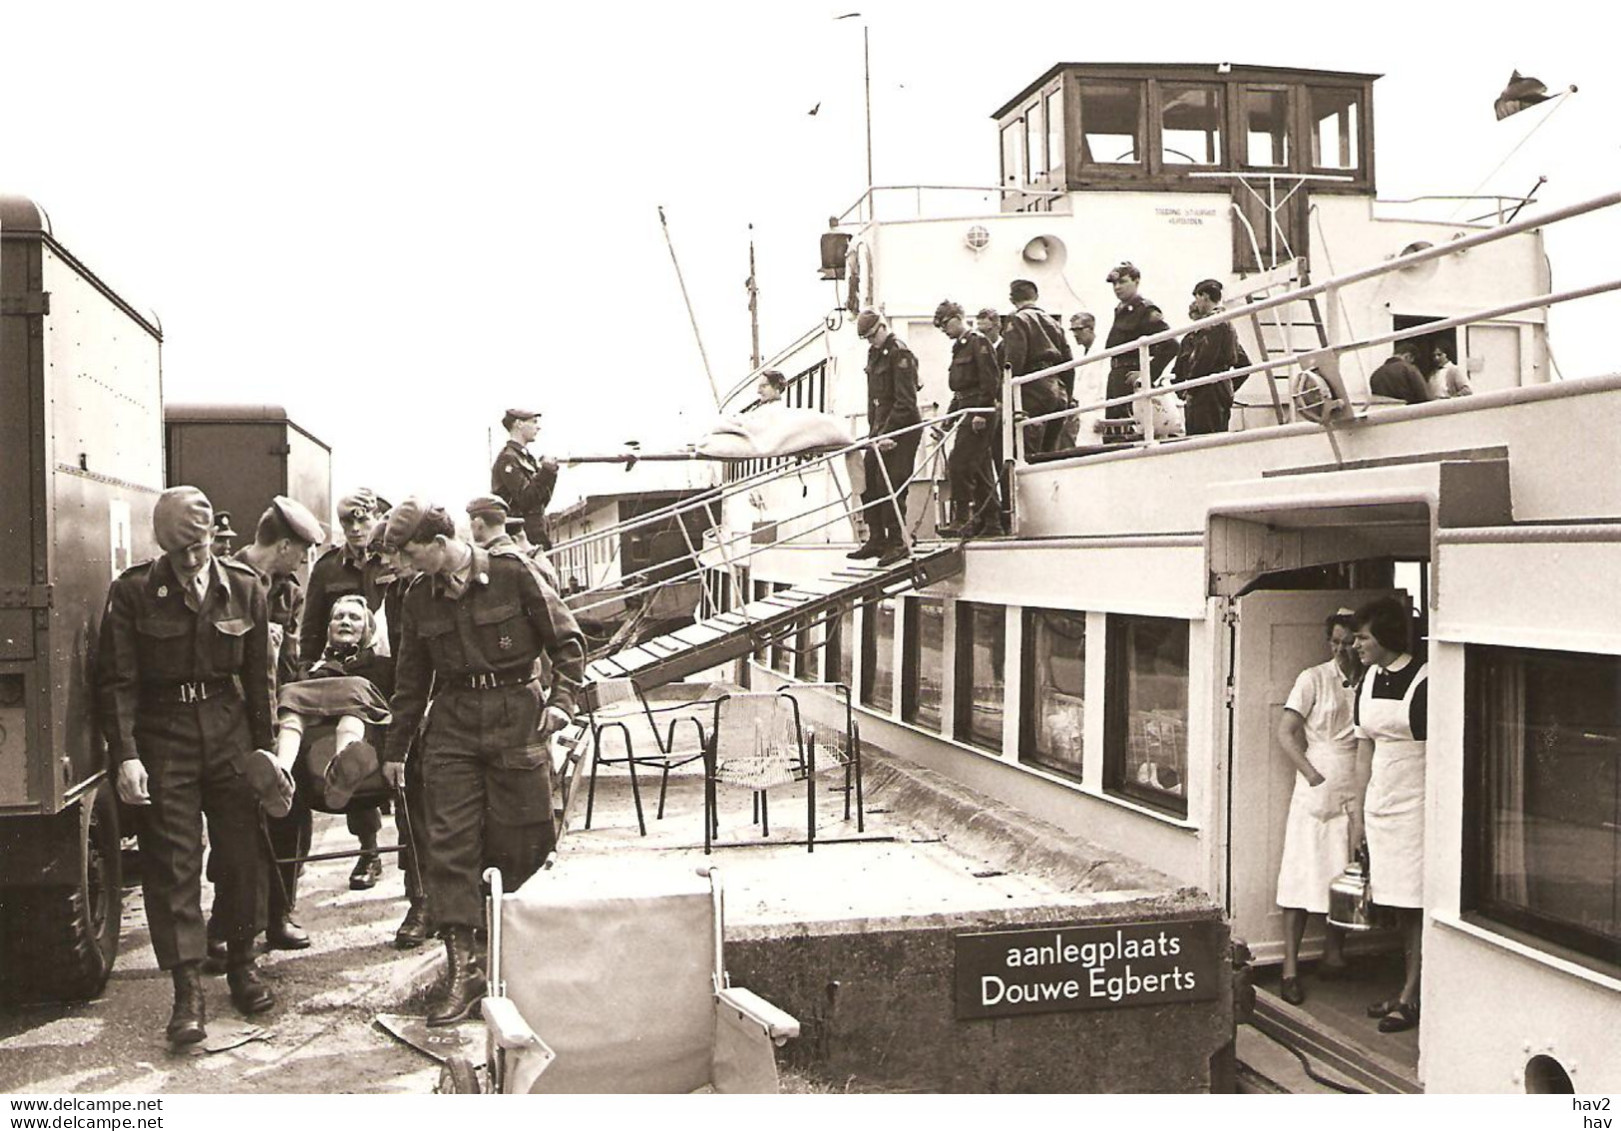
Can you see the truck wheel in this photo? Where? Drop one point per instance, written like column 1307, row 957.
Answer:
column 457, row 1077
column 59, row 943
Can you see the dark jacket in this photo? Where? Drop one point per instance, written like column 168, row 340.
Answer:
column 892, row 385
column 975, row 379
column 504, row 621
column 284, row 601
column 152, row 641
column 1036, row 341
column 523, row 484
column 1400, row 378
column 1211, row 350
column 1136, row 318
column 336, row 573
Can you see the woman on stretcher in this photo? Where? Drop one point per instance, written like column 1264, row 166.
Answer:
column 347, row 687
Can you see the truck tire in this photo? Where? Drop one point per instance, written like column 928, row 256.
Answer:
column 58, row 943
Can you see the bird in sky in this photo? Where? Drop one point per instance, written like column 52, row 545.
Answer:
column 815, row 108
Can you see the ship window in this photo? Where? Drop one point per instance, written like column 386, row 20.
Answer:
column 1542, row 744
column 1013, row 154
column 838, row 662
column 760, row 591
column 1111, row 122
column 808, row 658
column 1055, row 132
column 924, row 661
column 1145, row 716
column 1190, row 125
column 1266, row 128
column 782, row 657
column 878, row 655
column 1334, row 137
column 981, row 685
column 1056, row 651
column 1035, row 140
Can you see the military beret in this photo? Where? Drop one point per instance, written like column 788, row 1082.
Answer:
column 487, row 503
column 182, row 517
column 360, row 501
column 403, row 521
column 1126, row 270
column 514, row 415
column 515, row 524
column 374, row 541
column 945, row 312
column 1211, row 287
column 866, row 322
column 300, row 523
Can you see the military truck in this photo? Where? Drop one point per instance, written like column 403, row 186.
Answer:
column 81, row 463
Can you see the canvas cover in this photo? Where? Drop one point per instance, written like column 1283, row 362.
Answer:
column 774, row 430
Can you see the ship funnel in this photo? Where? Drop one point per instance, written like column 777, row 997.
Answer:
column 1045, row 251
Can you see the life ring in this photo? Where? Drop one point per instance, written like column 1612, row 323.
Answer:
column 1319, row 395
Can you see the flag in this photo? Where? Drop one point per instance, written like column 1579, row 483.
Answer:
column 1522, row 92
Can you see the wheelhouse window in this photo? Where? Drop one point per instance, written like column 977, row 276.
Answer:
column 1335, row 136
column 924, row 661
column 1056, row 681
column 1035, row 141
column 1013, row 154
column 1190, row 124
column 1111, row 122
column 1055, row 133
column 981, row 684
column 1266, row 128
column 1145, row 714
column 878, row 655
column 1542, row 741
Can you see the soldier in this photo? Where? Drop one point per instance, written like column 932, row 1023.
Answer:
column 989, row 323
column 344, row 569
column 892, row 385
column 1135, row 317
column 517, row 477
column 1035, row 341
column 281, row 543
column 1206, row 352
column 1398, row 377
column 184, row 678
column 974, row 383
column 475, row 624
column 487, row 521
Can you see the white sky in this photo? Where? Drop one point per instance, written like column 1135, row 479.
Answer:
column 397, row 219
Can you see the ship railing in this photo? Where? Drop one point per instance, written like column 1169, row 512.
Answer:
column 735, row 548
column 1499, row 208
column 1327, row 355
column 865, row 208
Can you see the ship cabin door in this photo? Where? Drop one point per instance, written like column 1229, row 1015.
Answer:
column 1277, row 634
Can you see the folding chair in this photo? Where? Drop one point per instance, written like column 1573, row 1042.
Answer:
column 613, row 705
column 615, row 981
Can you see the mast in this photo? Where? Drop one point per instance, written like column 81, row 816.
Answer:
column 714, row 389
column 754, row 307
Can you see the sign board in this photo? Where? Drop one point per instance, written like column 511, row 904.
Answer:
column 1060, row 969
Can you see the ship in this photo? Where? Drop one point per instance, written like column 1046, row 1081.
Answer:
column 1117, row 663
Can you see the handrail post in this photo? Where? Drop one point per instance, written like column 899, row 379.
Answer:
column 1145, row 408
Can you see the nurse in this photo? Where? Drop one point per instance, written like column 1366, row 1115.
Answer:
column 1391, row 710
column 1316, row 733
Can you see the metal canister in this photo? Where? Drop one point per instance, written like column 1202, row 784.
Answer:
column 1350, row 901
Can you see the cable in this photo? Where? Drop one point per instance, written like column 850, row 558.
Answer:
column 1305, row 1064
column 1559, row 102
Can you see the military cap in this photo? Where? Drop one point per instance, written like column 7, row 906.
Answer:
column 515, row 524
column 360, row 501
column 222, row 525
column 945, row 312
column 406, row 517
column 513, row 415
column 1211, row 287
column 866, row 322
column 182, row 517
column 481, row 503
column 298, row 520
column 989, row 313
column 374, row 541
column 1082, row 319
column 1126, row 270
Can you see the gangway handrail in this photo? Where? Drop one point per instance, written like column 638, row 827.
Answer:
column 1335, row 283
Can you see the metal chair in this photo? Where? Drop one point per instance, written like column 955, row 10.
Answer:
column 829, row 748
column 756, row 742
column 615, row 981
column 614, row 704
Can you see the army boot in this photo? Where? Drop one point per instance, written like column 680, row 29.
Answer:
column 413, row 929
column 248, row 991
column 464, row 986
column 186, row 1022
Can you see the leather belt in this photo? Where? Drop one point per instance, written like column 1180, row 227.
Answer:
column 491, row 681
column 186, row 694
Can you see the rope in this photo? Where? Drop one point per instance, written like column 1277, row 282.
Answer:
column 1559, row 102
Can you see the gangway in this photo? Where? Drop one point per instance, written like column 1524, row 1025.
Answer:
column 729, row 633
column 734, row 634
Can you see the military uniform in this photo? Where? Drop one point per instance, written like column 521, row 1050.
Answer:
column 1211, row 350
column 1135, row 318
column 1035, row 341
column 339, row 572
column 526, row 486
column 473, row 641
column 892, row 385
column 186, row 687
column 975, row 382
